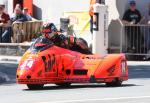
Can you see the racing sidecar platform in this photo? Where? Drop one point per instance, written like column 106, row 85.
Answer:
column 45, row 63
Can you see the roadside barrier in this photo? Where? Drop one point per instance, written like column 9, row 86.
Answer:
column 134, row 40
column 25, row 31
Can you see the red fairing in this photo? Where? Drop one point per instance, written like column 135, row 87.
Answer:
column 51, row 64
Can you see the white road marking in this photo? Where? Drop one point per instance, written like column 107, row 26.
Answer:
column 104, row 99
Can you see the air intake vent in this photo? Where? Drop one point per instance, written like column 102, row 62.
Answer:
column 28, row 77
column 80, row 72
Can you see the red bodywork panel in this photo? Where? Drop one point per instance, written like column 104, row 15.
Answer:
column 59, row 65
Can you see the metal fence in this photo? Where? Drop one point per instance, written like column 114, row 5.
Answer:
column 135, row 40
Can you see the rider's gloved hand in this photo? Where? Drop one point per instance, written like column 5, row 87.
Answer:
column 62, row 37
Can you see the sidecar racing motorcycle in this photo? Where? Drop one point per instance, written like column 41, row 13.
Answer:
column 46, row 63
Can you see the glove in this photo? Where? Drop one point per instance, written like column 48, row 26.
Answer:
column 62, row 37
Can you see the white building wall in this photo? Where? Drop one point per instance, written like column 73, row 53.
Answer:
column 53, row 9
column 4, row 2
column 10, row 7
column 112, row 9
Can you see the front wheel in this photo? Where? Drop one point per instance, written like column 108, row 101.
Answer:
column 35, row 86
column 115, row 83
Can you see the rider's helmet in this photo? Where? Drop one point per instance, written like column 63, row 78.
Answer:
column 49, row 30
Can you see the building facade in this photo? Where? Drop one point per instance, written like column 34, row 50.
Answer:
column 54, row 9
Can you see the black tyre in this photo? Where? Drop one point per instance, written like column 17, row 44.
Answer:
column 115, row 83
column 63, row 84
column 35, row 86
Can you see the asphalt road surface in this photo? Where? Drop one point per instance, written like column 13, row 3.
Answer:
column 135, row 90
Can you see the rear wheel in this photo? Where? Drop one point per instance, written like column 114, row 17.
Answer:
column 35, row 86
column 63, row 84
column 114, row 83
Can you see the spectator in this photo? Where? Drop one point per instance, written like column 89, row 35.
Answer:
column 28, row 16
column 18, row 16
column 132, row 15
column 131, row 18
column 18, row 6
column 5, row 33
column 91, row 13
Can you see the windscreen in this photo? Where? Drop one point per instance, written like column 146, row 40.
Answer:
column 41, row 44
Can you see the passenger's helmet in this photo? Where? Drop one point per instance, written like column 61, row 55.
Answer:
column 49, row 30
